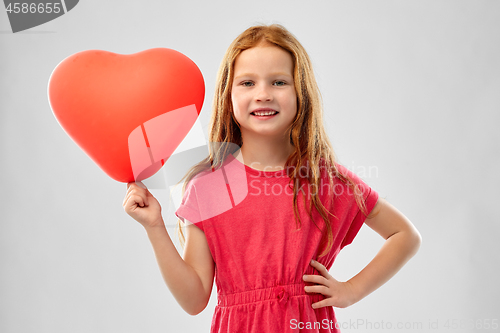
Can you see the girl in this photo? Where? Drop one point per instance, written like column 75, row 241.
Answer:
column 271, row 273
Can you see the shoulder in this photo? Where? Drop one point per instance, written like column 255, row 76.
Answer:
column 338, row 172
column 343, row 172
column 344, row 182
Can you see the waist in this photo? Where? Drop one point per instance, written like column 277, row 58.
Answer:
column 280, row 293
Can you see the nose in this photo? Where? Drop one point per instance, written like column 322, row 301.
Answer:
column 263, row 93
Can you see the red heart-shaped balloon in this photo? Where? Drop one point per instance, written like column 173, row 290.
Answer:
column 127, row 112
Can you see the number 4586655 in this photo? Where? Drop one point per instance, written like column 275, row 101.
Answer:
column 25, row 8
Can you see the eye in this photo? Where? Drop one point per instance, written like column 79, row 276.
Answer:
column 279, row 83
column 247, row 83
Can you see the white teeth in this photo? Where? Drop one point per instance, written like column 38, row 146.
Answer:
column 268, row 113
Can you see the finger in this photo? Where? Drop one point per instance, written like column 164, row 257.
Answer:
column 134, row 189
column 321, row 304
column 315, row 279
column 145, row 191
column 322, row 269
column 129, row 192
column 147, row 194
column 135, row 200
column 319, row 289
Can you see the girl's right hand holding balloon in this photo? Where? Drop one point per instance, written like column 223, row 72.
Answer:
column 140, row 204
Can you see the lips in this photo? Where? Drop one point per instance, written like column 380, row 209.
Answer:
column 264, row 112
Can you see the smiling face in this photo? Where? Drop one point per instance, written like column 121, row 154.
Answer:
column 263, row 84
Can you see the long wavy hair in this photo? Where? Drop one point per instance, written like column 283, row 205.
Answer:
column 313, row 150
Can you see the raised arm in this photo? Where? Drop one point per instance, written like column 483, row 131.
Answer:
column 402, row 241
column 190, row 279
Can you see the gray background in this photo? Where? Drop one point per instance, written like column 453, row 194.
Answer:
column 410, row 89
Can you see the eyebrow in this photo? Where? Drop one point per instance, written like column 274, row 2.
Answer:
column 272, row 74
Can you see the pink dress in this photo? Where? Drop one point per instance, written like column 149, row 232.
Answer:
column 260, row 256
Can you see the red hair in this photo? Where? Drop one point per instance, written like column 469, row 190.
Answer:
column 313, row 150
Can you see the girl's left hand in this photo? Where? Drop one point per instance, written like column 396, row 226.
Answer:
column 338, row 294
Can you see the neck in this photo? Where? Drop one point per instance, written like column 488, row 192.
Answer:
column 265, row 153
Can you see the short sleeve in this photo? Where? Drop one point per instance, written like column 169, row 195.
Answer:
column 370, row 197
column 188, row 209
